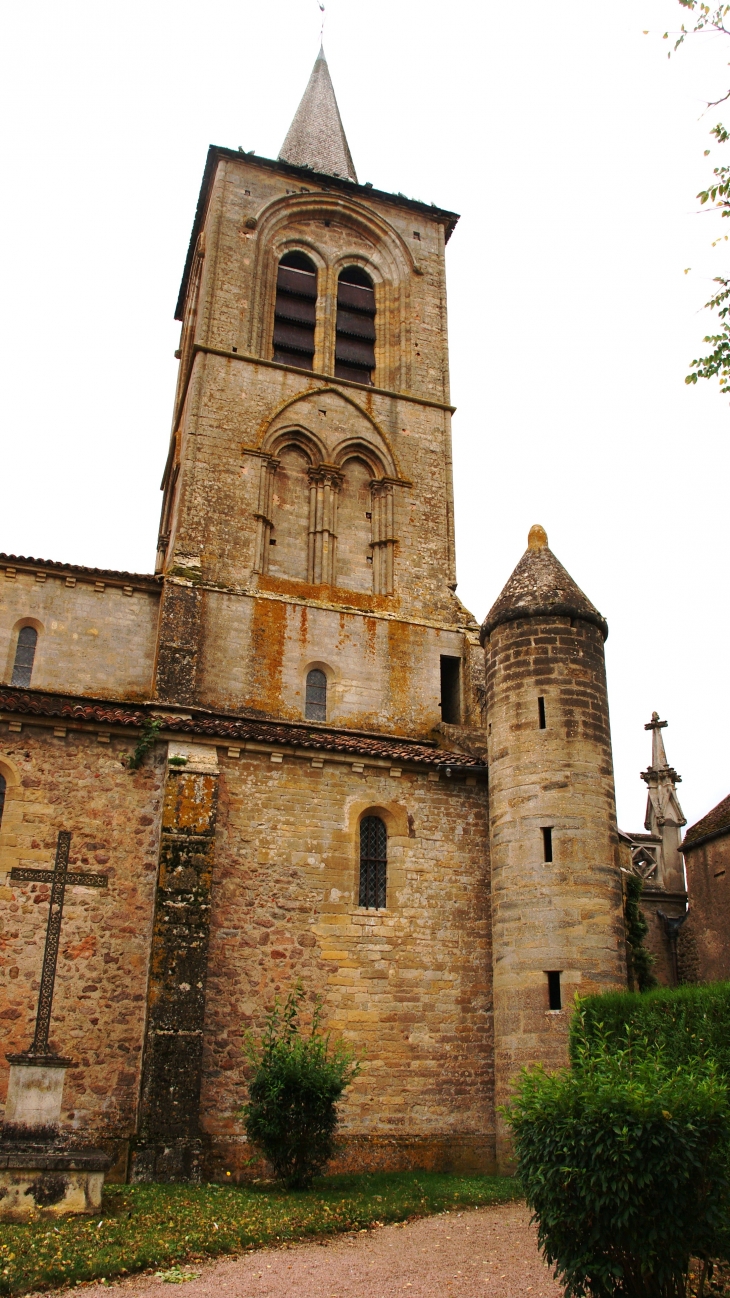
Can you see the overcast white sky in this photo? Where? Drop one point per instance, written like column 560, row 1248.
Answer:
column 573, row 149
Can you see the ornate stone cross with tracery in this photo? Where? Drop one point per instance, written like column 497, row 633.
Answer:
column 60, row 878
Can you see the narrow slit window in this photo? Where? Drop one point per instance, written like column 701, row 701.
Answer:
column 315, row 705
column 373, row 862
column 554, row 995
column 2, row 797
column 547, row 843
column 541, row 713
column 24, row 656
column 355, row 338
column 295, row 312
column 450, row 690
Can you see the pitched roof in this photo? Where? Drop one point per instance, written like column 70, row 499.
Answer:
column 77, row 569
column 541, row 587
column 714, row 825
column 230, row 729
column 316, row 137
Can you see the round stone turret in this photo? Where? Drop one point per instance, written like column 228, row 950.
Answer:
column 557, row 921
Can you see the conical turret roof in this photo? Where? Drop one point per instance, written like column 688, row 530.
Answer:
column 541, row 587
column 316, row 137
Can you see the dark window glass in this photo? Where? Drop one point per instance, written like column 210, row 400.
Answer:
column 315, row 704
column 2, row 797
column 554, row 995
column 450, row 690
column 24, row 655
column 355, row 339
column 373, row 862
column 295, row 311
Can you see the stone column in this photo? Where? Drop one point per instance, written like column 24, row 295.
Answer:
column 325, row 482
column 168, row 1144
column 383, row 533
column 263, row 517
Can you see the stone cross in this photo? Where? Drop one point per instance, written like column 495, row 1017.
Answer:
column 60, row 878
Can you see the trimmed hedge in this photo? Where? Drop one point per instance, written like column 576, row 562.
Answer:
column 682, row 1024
column 626, row 1171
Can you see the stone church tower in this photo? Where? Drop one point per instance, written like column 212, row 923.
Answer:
column 325, row 770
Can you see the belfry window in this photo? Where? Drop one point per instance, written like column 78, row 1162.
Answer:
column 373, row 862
column 315, row 703
column 355, row 340
column 24, row 655
column 2, row 797
column 295, row 311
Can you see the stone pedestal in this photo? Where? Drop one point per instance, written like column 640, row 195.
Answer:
column 41, row 1173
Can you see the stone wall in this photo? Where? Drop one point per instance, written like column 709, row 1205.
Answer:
column 95, row 637
column 705, row 936
column 76, row 783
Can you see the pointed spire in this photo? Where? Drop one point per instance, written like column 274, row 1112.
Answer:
column 664, row 815
column 316, row 137
column 541, row 587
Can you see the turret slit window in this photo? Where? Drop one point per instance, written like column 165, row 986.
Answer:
column 295, row 312
column 24, row 656
column 355, row 340
column 450, row 690
column 541, row 713
column 373, row 862
column 555, row 998
column 315, row 704
column 2, row 797
column 547, row 843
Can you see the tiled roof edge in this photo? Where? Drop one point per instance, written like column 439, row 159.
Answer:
column 713, row 825
column 54, row 565
column 230, row 729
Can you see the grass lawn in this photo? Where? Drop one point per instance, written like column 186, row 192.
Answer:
column 156, row 1226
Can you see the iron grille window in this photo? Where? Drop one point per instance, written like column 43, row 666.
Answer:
column 295, row 311
column 355, row 338
column 24, row 655
column 373, row 862
column 2, row 797
column 315, row 703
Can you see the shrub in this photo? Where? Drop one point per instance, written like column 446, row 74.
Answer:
column 684, row 1024
column 625, row 1166
column 299, row 1077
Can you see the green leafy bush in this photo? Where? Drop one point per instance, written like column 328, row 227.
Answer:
column 684, row 1024
column 641, row 960
column 299, row 1077
column 624, row 1163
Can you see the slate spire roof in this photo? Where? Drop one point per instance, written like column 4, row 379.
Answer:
column 316, row 137
column 541, row 587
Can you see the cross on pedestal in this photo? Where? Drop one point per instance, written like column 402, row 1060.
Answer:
column 60, row 878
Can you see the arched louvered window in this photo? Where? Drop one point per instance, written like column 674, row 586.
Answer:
column 295, row 311
column 355, row 341
column 24, row 655
column 373, row 862
column 315, row 705
column 2, row 797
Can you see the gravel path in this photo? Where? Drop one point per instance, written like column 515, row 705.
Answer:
column 485, row 1253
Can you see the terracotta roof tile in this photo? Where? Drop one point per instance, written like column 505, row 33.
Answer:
column 715, row 823
column 231, row 729
column 54, row 565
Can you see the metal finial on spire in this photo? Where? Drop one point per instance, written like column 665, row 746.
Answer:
column 316, row 137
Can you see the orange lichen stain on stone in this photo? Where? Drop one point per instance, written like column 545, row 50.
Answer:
column 322, row 594
column 189, row 802
column 268, row 635
column 303, row 625
column 371, row 630
column 400, row 659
